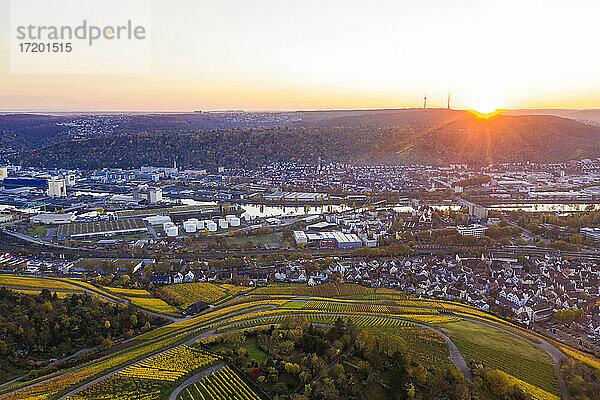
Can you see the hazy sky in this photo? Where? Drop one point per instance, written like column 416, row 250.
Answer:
column 309, row 54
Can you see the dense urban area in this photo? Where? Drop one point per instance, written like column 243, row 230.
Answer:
column 295, row 280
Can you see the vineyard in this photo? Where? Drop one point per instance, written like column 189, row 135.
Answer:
column 534, row 372
column 127, row 292
column 535, row 392
column 148, row 378
column 185, row 294
column 582, row 357
column 326, row 290
column 152, row 304
column 156, row 361
column 275, row 316
column 425, row 346
column 224, row 384
column 36, row 283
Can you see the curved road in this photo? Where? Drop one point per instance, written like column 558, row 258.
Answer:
column 194, row 379
column 80, row 388
column 455, row 355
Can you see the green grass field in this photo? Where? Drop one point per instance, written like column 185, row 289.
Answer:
column 39, row 231
column 254, row 353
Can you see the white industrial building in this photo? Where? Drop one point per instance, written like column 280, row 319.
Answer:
column 233, row 220
column 300, row 238
column 53, row 218
column 171, row 229
column 154, row 195
column 333, row 239
column 211, row 226
column 57, row 187
column 158, row 219
column 472, row 230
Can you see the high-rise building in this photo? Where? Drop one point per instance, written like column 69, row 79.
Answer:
column 154, row 195
column 57, row 187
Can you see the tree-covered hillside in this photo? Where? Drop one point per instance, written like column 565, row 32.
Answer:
column 392, row 138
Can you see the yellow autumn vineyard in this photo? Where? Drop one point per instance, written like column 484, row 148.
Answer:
column 171, row 365
column 224, row 384
column 148, row 378
column 159, row 361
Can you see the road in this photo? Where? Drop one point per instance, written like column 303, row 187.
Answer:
column 194, row 379
column 83, row 387
column 455, row 356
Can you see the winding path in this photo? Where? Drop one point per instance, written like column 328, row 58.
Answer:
column 194, row 379
column 455, row 356
column 83, row 387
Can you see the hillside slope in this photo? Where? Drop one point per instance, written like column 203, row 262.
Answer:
column 430, row 136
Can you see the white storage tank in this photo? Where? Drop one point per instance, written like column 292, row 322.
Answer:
column 168, row 225
column 223, row 224
column 211, row 226
column 189, row 226
column 200, row 225
column 235, row 221
column 172, row 231
column 247, row 217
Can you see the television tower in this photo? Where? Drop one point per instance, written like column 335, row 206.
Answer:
column 425, row 101
column 448, row 100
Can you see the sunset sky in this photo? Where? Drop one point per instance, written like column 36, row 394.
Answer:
column 327, row 54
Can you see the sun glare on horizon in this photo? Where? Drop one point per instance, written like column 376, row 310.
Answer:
column 486, row 106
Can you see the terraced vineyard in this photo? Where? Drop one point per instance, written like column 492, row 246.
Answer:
column 500, row 350
column 152, row 304
column 36, row 283
column 327, row 290
column 224, row 384
column 189, row 293
column 157, row 361
column 147, row 379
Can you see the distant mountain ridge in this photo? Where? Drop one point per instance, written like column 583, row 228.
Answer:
column 587, row 116
column 435, row 136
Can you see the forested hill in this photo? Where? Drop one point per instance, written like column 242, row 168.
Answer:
column 430, row 136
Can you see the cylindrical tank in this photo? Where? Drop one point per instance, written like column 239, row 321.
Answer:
column 223, row 224
column 189, row 226
column 200, row 225
column 234, row 221
column 172, row 231
column 211, row 226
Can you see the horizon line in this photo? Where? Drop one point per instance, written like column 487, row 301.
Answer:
column 234, row 110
